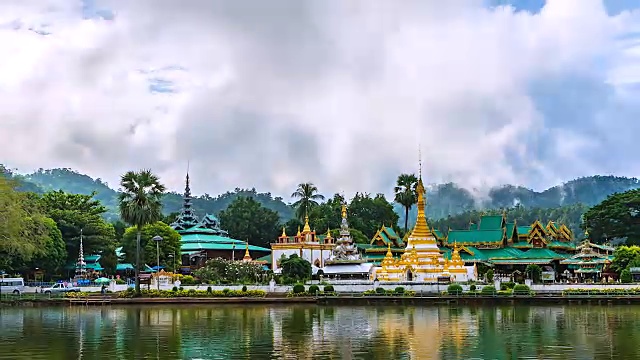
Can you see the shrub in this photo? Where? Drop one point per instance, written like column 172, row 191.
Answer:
column 120, row 282
column 225, row 290
column 209, row 289
column 454, row 289
column 244, row 288
column 328, row 289
column 313, row 289
column 174, row 289
column 488, row 290
column 181, row 288
column 298, row 289
column 472, row 287
column 507, row 285
column 521, row 290
column 380, row 291
column 625, row 276
column 399, row 290
column 188, row 280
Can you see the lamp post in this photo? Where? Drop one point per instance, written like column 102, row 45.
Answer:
column 157, row 239
column 233, row 252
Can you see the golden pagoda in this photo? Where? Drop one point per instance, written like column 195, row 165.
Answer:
column 422, row 260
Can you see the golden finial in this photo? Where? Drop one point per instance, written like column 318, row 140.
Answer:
column 344, row 211
column 307, row 228
column 284, row 233
column 328, row 233
column 298, row 231
column 246, row 257
column 388, row 249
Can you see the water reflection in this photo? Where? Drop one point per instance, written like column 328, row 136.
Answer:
column 310, row 332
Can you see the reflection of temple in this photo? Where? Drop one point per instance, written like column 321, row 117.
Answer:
column 422, row 259
column 204, row 239
column 306, row 244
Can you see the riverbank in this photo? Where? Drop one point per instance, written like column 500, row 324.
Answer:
column 334, row 300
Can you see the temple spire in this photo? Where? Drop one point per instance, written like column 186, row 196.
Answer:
column 80, row 268
column 246, row 257
column 421, row 229
column 187, row 217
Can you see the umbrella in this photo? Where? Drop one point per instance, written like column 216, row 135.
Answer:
column 102, row 280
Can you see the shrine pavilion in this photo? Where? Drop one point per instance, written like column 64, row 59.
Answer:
column 204, row 239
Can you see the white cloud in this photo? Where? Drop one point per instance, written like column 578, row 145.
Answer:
column 337, row 93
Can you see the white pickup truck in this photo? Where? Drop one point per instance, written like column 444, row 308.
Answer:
column 60, row 288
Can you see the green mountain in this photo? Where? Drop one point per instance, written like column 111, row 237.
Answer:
column 444, row 201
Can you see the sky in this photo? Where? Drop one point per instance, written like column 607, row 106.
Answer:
column 344, row 94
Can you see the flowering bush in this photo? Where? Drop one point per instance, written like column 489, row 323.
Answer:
column 194, row 293
column 75, row 295
column 222, row 271
column 634, row 291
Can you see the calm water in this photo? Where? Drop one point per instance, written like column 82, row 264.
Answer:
column 310, row 332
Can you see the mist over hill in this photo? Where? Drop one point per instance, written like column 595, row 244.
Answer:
column 443, row 200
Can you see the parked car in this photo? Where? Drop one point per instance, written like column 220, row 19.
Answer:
column 12, row 285
column 60, row 288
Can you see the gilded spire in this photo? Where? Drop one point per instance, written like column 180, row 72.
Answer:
column 329, row 233
column 284, row 233
column 298, row 231
column 344, row 211
column 307, row 228
column 421, row 229
column 246, row 257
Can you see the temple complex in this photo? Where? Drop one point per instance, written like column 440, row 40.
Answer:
column 204, row 239
column 306, row 244
column 422, row 259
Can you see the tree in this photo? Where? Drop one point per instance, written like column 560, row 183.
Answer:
column 23, row 229
column 367, row 214
column 169, row 246
column 618, row 216
column 246, row 219
column 327, row 215
column 308, row 196
column 53, row 254
column 405, row 194
column 295, row 268
column 140, row 204
column 534, row 272
column 625, row 257
column 78, row 213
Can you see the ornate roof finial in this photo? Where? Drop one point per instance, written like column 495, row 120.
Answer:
column 246, row 257
column 284, row 233
column 419, row 162
column 329, row 233
column 298, row 231
column 306, row 228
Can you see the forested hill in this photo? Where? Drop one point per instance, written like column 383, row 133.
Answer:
column 442, row 200
column 74, row 182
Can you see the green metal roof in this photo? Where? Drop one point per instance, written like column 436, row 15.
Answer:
column 522, row 244
column 539, row 253
column 490, row 222
column 478, row 255
column 92, row 258
column 474, row 236
column 209, row 238
column 561, row 244
column 519, row 261
column 438, row 233
column 510, row 227
column 503, row 253
column 266, row 258
column 186, row 247
column 523, row 230
column 124, row 266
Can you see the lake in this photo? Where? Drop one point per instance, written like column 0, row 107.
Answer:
column 315, row 332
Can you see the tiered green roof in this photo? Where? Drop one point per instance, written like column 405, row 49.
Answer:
column 475, row 237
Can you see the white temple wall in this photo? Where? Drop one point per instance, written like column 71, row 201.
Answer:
column 311, row 255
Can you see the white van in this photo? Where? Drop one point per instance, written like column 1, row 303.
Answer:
column 11, row 285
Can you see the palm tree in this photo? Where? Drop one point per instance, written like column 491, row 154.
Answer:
column 140, row 204
column 308, row 194
column 405, row 190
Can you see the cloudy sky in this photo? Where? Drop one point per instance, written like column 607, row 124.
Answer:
column 268, row 94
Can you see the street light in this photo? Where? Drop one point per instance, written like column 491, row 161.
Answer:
column 157, row 239
column 173, row 256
